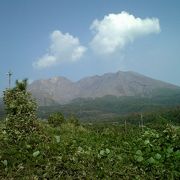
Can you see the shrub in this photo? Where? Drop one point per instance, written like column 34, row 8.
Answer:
column 20, row 112
column 158, row 153
column 56, row 119
column 23, row 138
column 73, row 120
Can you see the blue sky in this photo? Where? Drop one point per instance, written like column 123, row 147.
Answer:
column 47, row 38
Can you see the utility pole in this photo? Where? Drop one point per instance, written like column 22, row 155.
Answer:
column 80, row 110
column 9, row 74
column 144, row 93
column 142, row 123
column 125, row 126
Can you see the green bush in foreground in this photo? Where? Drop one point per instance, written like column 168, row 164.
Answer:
column 21, row 112
column 22, row 136
column 158, row 153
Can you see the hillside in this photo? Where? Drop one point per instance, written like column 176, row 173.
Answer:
column 108, row 108
column 60, row 90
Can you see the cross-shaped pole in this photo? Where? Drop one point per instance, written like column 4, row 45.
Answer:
column 9, row 74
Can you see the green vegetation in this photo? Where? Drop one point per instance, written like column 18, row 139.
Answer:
column 109, row 108
column 93, row 152
column 56, row 119
column 65, row 149
column 21, row 112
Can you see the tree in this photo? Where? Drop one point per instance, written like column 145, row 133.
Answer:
column 20, row 111
column 56, row 119
column 22, row 85
column 73, row 120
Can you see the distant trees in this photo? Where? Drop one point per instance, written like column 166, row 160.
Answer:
column 73, row 120
column 56, row 119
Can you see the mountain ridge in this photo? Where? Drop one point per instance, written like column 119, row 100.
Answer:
column 61, row 90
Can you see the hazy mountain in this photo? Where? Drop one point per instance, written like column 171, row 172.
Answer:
column 61, row 90
column 54, row 90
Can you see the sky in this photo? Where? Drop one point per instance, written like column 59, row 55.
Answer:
column 40, row 39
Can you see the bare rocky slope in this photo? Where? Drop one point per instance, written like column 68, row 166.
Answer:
column 60, row 90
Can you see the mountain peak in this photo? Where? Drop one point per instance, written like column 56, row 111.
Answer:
column 59, row 79
column 121, row 83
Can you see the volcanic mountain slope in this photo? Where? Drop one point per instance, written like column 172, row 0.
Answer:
column 60, row 90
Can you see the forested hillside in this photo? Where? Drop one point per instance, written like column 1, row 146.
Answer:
column 108, row 108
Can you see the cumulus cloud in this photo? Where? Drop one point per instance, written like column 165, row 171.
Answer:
column 115, row 31
column 63, row 48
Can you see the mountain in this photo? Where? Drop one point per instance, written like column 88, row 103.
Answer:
column 60, row 90
column 53, row 91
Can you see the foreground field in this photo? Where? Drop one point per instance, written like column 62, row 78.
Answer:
column 92, row 152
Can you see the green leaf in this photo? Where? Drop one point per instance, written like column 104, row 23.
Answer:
column 57, row 138
column 107, row 151
column 138, row 158
column 28, row 146
column 102, row 152
column 169, row 150
column 80, row 149
column 5, row 162
column 177, row 153
column 151, row 160
column 157, row 156
column 139, row 153
column 36, row 153
column 146, row 141
column 120, row 158
column 125, row 143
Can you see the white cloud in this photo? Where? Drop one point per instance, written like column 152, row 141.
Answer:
column 45, row 61
column 63, row 48
column 115, row 31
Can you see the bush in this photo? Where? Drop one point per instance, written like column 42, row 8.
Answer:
column 73, row 120
column 20, row 113
column 56, row 119
column 23, row 138
column 158, row 153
